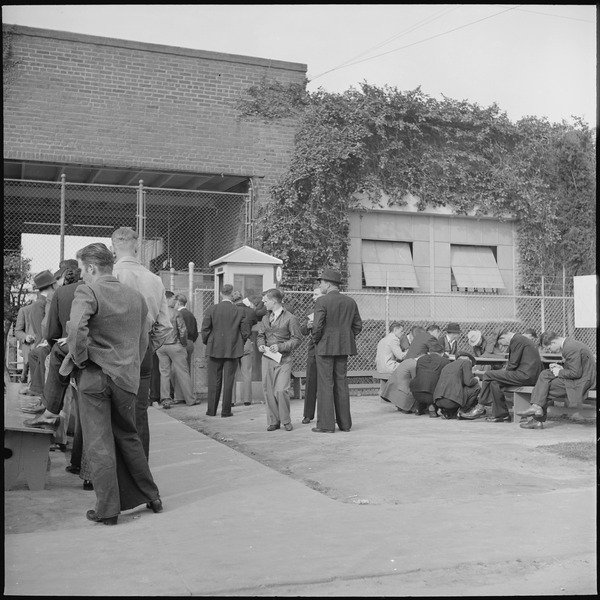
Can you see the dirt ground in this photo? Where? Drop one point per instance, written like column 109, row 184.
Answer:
column 390, row 458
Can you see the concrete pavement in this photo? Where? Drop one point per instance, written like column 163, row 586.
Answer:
column 234, row 527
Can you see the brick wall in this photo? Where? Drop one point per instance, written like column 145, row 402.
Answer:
column 104, row 102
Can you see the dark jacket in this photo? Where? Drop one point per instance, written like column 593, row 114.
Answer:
column 429, row 368
column 59, row 311
column 337, row 323
column 578, row 371
column 224, row 330
column 524, row 358
column 421, row 344
column 454, row 378
column 190, row 323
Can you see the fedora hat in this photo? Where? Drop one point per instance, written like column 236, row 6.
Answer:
column 474, row 337
column 453, row 328
column 331, row 275
column 43, row 280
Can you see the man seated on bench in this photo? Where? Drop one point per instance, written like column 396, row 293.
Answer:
column 571, row 380
column 523, row 368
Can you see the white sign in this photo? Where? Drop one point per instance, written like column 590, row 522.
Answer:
column 586, row 300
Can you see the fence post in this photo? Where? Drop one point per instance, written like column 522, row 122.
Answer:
column 141, row 221
column 564, row 309
column 387, row 302
column 191, row 309
column 543, row 316
column 249, row 217
column 63, row 201
column 172, row 277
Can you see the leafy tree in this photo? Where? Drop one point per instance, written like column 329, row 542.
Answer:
column 16, row 277
column 445, row 153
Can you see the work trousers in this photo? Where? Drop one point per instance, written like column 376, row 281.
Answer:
column 244, row 373
column 119, row 469
column 310, row 386
column 221, row 375
column 276, row 385
column 172, row 361
column 492, row 389
column 334, row 396
column 37, row 368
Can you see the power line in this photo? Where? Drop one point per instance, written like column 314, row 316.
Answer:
column 410, row 29
column 418, row 42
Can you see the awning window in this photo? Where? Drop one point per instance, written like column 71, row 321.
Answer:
column 391, row 261
column 475, row 267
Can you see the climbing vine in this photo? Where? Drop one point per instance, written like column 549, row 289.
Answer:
column 443, row 152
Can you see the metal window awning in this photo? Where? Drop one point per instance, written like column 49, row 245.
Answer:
column 475, row 267
column 389, row 262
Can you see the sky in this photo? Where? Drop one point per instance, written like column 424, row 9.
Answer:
column 531, row 60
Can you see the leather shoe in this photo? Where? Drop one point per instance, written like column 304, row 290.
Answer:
column 288, row 426
column 305, row 421
column 42, row 423
column 88, row 485
column 228, row 415
column 247, row 403
column 91, row 515
column 475, row 413
column 532, row 411
column 532, row 424
column 502, row 419
column 272, row 427
column 319, row 430
column 211, row 414
column 73, row 469
column 156, row 505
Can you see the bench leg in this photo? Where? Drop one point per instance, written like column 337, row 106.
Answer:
column 29, row 456
column 520, row 404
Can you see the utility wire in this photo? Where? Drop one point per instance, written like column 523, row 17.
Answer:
column 415, row 43
column 410, row 29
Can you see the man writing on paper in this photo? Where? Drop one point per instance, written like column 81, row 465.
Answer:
column 278, row 334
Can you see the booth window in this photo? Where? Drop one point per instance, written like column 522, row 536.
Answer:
column 248, row 285
column 388, row 263
column 474, row 269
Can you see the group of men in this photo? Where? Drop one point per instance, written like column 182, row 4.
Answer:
column 111, row 323
column 332, row 327
column 427, row 374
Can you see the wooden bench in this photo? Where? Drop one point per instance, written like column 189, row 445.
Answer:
column 26, row 449
column 299, row 380
column 522, row 396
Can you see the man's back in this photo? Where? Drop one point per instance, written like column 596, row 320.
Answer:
column 222, row 330
column 190, row 323
column 428, row 372
column 523, row 356
column 108, row 327
column 337, row 323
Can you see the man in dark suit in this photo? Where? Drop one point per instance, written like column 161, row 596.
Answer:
column 421, row 342
column 457, row 388
column 523, row 368
column 571, row 380
column 450, row 339
column 191, row 326
column 224, row 332
column 337, row 322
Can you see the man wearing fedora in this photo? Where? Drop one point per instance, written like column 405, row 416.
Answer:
column 45, row 283
column 336, row 324
column 450, row 339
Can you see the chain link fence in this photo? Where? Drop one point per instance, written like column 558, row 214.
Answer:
column 49, row 221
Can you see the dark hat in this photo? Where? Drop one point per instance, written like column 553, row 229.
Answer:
column 469, row 356
column 69, row 263
column 331, row 275
column 43, row 280
column 453, row 328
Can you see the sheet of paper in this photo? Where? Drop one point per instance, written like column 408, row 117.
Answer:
column 276, row 356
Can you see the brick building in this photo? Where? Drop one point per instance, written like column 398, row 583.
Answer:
column 107, row 113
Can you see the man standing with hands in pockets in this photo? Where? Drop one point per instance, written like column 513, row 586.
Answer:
column 336, row 325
